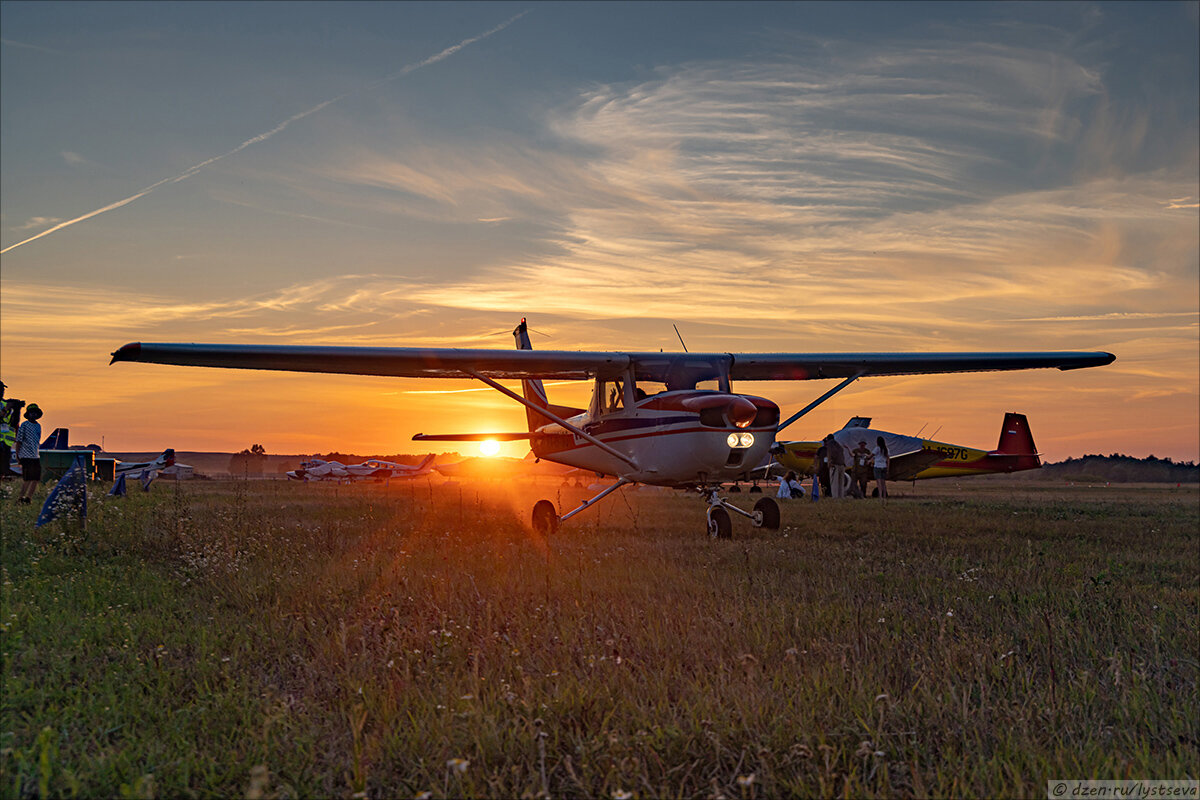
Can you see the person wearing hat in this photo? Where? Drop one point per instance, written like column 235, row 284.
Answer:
column 861, row 471
column 29, row 436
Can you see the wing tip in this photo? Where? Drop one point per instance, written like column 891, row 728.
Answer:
column 1097, row 359
column 128, row 352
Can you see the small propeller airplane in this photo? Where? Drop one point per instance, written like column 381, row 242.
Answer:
column 647, row 421
column 317, row 469
column 911, row 458
column 165, row 459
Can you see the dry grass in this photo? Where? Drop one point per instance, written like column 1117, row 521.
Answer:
column 275, row 639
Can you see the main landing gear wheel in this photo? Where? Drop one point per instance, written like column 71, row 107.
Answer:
column 545, row 518
column 719, row 525
column 766, row 514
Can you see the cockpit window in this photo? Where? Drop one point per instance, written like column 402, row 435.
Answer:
column 614, row 396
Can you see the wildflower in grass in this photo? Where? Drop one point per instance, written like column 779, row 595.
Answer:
column 621, row 794
column 458, row 765
column 425, row 795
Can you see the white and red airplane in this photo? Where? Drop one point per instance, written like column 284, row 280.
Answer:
column 647, row 421
column 373, row 469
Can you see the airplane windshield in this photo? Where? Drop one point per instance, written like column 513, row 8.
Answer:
column 647, row 388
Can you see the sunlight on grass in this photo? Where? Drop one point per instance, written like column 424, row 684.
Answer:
column 269, row 639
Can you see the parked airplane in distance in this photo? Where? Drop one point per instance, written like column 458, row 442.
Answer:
column 652, row 418
column 130, row 468
column 916, row 459
column 317, row 469
column 390, row 470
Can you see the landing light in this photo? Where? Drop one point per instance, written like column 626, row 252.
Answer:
column 740, row 440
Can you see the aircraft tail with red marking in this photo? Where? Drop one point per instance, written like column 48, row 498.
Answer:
column 1016, row 442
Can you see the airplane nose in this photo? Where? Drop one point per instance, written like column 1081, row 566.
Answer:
column 741, row 412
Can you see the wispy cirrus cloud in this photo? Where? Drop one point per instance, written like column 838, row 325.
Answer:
column 262, row 137
column 27, row 46
column 36, row 222
column 932, row 182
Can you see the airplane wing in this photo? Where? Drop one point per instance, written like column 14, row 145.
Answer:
column 909, row 465
column 674, row 369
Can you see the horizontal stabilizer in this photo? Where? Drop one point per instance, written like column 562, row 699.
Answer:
column 473, row 437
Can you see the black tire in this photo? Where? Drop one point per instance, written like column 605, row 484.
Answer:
column 719, row 524
column 756, row 489
column 766, row 514
column 735, row 488
column 545, row 518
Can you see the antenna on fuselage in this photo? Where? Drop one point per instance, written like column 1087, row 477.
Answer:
column 676, row 327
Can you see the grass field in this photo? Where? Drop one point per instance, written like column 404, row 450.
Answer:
column 267, row 639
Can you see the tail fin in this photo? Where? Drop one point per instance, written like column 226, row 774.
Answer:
column 57, row 440
column 1016, row 438
column 425, row 465
column 531, row 387
column 167, row 459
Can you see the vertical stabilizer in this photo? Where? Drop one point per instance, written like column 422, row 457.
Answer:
column 57, row 440
column 532, row 388
column 1016, row 438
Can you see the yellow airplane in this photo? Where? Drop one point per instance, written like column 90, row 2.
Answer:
column 914, row 459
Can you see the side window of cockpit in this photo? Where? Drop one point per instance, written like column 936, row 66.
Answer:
column 614, row 398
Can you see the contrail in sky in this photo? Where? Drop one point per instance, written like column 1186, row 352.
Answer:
column 262, row 137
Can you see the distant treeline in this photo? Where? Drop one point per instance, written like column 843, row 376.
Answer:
column 1117, row 468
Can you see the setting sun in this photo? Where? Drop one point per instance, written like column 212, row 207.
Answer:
column 489, row 447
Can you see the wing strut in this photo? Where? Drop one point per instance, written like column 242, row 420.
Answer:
column 819, row 400
column 577, row 431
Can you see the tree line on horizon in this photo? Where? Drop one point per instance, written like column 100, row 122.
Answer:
column 1119, row 468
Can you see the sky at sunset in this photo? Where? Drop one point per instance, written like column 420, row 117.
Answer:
column 768, row 177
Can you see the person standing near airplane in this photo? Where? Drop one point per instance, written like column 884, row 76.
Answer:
column 8, row 431
column 880, row 461
column 860, row 472
column 29, row 436
column 837, row 467
column 821, row 469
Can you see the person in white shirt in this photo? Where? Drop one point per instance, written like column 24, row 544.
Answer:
column 29, row 436
column 785, row 486
column 880, row 456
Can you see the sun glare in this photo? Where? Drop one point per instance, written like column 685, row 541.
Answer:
column 489, row 447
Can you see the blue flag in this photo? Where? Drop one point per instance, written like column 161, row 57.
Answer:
column 118, row 488
column 69, row 493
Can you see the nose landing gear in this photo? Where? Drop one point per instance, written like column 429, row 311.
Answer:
column 764, row 515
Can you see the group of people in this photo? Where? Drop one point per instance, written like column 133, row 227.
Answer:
column 21, row 438
column 830, row 475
